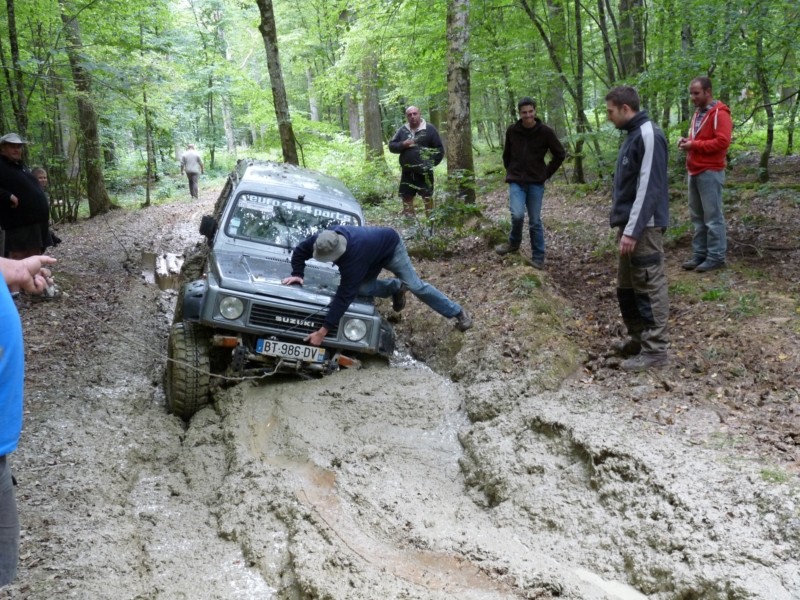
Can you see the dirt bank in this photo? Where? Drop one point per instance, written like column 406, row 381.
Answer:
column 483, row 478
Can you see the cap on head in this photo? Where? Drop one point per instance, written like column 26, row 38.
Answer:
column 329, row 246
column 12, row 138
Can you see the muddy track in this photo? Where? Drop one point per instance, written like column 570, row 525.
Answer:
column 387, row 482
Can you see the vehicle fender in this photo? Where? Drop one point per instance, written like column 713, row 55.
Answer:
column 193, row 297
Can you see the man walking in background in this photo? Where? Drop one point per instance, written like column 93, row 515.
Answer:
column 527, row 142
column 192, row 165
column 420, row 149
column 706, row 148
column 640, row 212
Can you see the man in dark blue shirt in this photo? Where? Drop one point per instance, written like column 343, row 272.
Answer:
column 361, row 253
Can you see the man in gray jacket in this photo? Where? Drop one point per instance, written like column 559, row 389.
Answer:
column 640, row 212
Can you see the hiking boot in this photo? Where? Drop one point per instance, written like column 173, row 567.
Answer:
column 504, row 249
column 692, row 264
column 463, row 321
column 537, row 263
column 399, row 298
column 642, row 362
column 709, row 265
column 626, row 348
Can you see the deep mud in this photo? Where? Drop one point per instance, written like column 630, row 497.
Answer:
column 522, row 464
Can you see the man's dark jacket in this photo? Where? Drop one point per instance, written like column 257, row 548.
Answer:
column 427, row 152
column 641, row 189
column 369, row 250
column 524, row 152
column 33, row 207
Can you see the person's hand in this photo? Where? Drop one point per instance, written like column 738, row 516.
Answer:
column 292, row 280
column 14, row 201
column 684, row 143
column 315, row 339
column 409, row 142
column 626, row 245
column 30, row 273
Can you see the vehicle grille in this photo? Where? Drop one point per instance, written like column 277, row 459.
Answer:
column 282, row 319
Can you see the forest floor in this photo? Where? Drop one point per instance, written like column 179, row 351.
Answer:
column 514, row 461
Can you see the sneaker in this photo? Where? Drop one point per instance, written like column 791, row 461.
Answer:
column 538, row 263
column 692, row 264
column 709, row 265
column 503, row 249
column 463, row 321
column 399, row 298
column 642, row 362
column 629, row 347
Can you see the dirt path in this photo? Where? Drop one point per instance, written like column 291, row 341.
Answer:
column 388, row 482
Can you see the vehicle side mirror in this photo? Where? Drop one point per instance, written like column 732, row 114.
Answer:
column 208, row 227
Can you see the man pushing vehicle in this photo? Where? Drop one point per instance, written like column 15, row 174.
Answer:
column 361, row 253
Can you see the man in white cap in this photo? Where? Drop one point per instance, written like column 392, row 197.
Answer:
column 361, row 253
column 24, row 208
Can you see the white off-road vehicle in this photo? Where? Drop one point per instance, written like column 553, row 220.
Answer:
column 234, row 317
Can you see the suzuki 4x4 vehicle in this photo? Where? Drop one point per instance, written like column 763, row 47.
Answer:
column 238, row 319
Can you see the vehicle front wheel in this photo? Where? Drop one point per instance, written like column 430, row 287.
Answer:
column 188, row 369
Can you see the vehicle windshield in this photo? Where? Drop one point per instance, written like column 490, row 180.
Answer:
column 282, row 222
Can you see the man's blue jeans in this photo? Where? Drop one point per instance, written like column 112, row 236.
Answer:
column 522, row 199
column 9, row 526
column 705, row 208
column 401, row 266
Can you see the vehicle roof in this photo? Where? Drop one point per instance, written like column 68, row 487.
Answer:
column 295, row 182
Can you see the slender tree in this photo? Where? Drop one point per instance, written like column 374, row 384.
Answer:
column 270, row 35
column 99, row 201
column 460, row 165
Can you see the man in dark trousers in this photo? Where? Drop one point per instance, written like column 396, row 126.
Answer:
column 527, row 143
column 640, row 213
column 420, row 149
column 24, row 209
column 361, row 253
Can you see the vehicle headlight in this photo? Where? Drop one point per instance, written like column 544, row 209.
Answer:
column 231, row 307
column 355, row 329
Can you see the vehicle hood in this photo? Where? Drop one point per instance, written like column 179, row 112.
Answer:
column 259, row 275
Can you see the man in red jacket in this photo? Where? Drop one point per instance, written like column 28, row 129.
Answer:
column 706, row 149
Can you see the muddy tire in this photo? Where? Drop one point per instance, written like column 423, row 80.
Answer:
column 188, row 378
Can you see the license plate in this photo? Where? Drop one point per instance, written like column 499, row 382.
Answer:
column 292, row 351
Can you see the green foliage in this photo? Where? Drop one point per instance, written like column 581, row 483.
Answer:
column 775, row 475
column 714, row 295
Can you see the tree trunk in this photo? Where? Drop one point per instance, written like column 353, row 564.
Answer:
column 19, row 103
column 227, row 123
column 555, row 104
column 148, row 141
column 353, row 118
column 460, row 166
column 631, row 16
column 270, row 35
column 313, row 107
column 608, row 52
column 790, row 127
column 763, row 84
column 578, row 175
column 99, row 202
column 373, row 136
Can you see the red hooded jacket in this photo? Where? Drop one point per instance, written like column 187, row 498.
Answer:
column 710, row 143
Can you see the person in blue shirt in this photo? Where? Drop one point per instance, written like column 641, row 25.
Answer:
column 361, row 253
column 31, row 275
